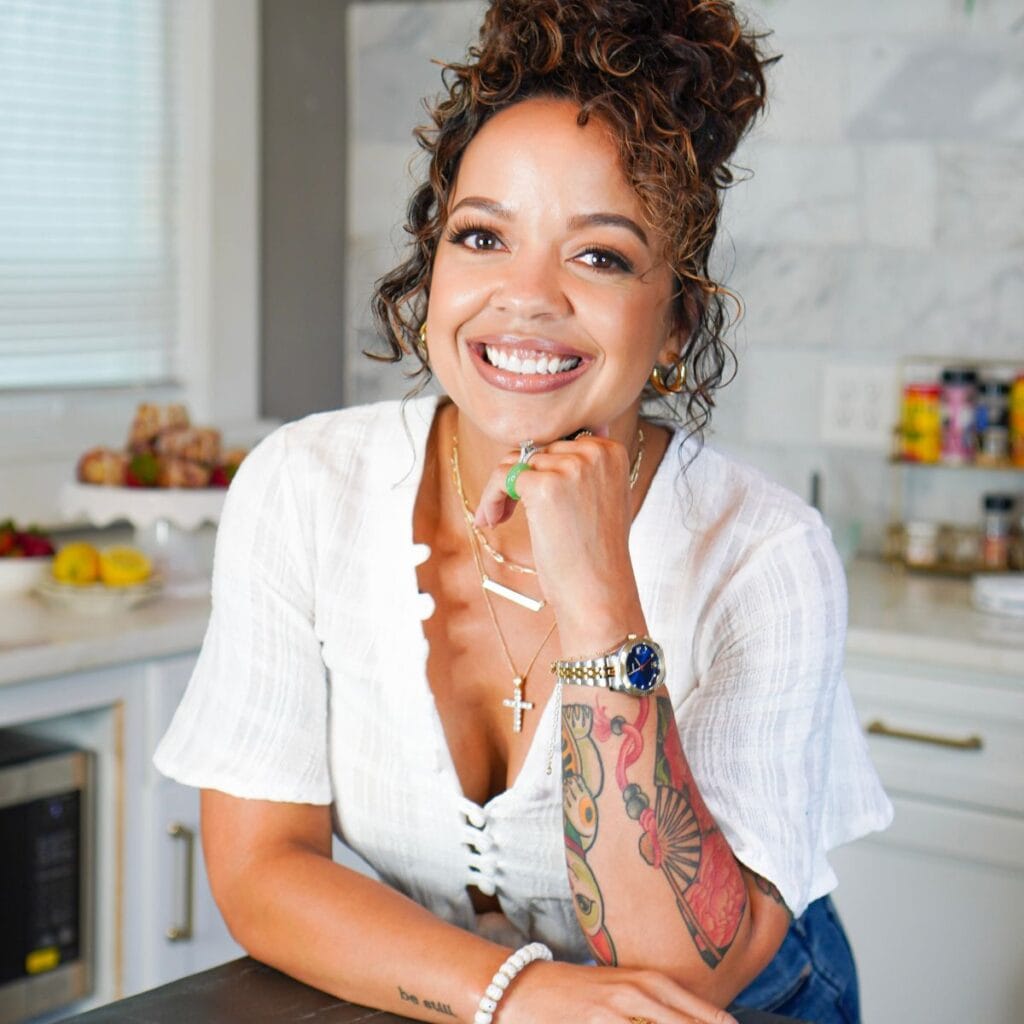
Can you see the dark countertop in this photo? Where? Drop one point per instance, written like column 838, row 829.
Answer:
column 248, row 992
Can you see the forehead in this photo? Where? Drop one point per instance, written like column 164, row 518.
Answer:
column 536, row 154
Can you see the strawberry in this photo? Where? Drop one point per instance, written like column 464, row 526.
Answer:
column 33, row 543
column 221, row 476
column 30, row 543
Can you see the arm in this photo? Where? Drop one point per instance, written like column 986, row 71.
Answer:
column 290, row 906
column 653, row 878
column 654, row 881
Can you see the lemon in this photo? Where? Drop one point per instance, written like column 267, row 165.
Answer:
column 78, row 564
column 123, row 566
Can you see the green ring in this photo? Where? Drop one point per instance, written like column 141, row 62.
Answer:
column 511, row 477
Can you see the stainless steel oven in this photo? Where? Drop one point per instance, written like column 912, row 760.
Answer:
column 46, row 865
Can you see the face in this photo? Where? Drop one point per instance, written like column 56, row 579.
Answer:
column 550, row 300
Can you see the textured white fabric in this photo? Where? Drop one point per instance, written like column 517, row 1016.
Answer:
column 311, row 685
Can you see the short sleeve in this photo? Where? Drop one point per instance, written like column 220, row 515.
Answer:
column 758, row 727
column 253, row 721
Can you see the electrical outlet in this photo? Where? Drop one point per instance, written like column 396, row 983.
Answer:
column 859, row 405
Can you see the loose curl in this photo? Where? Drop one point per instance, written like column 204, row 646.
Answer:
column 678, row 82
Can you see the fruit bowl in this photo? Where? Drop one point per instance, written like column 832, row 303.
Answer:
column 96, row 598
column 20, row 575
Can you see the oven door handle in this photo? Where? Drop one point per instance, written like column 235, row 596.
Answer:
column 183, row 932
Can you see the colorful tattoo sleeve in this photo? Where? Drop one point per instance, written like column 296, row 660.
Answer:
column 677, row 835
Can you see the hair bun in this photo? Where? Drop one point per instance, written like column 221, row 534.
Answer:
column 688, row 64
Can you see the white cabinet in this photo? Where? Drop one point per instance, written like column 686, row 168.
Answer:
column 934, row 906
column 183, row 931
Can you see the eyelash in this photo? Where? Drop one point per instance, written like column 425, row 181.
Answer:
column 459, row 235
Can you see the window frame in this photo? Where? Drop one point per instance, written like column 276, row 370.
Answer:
column 44, row 431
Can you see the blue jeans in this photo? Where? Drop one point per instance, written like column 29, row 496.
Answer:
column 812, row 977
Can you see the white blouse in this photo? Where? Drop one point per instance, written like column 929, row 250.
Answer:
column 311, row 685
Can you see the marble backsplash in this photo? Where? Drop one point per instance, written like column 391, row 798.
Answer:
column 884, row 218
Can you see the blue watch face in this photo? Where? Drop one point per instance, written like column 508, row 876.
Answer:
column 643, row 667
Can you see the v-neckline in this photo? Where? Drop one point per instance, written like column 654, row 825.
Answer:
column 422, row 552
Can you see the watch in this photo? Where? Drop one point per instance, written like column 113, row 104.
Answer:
column 636, row 666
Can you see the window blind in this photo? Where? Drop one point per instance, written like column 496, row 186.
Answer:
column 87, row 225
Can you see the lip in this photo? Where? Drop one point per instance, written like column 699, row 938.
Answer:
column 526, row 383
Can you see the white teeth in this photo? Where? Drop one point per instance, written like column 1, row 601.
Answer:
column 529, row 363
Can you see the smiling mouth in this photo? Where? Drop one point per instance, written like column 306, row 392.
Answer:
column 525, row 361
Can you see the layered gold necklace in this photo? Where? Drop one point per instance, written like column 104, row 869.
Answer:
column 477, row 542
column 533, row 604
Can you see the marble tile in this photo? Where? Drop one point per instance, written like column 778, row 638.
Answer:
column 981, row 195
column 836, row 16
column 900, row 193
column 805, row 99
column 381, row 178
column 799, row 193
column 940, row 87
column 392, row 47
column 775, row 395
column 952, row 302
column 792, row 294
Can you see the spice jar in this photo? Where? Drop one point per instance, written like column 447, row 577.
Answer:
column 997, row 523
column 1017, row 421
column 921, row 543
column 921, row 422
column 958, row 394
column 992, row 421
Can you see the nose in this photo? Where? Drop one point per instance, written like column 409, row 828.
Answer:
column 530, row 286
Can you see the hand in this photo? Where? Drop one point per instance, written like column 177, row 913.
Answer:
column 578, row 505
column 553, row 993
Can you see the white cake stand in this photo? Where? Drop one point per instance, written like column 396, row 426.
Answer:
column 165, row 521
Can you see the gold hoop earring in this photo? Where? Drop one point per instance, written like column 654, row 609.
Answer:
column 421, row 347
column 671, row 380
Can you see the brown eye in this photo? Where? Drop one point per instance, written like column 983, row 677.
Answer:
column 605, row 260
column 477, row 239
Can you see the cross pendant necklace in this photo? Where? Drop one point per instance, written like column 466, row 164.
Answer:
column 517, row 704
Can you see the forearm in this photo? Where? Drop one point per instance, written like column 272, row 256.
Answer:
column 354, row 937
column 654, row 880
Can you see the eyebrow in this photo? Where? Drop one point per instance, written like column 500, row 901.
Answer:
column 579, row 220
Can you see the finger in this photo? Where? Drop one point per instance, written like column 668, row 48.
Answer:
column 495, row 505
column 699, row 1009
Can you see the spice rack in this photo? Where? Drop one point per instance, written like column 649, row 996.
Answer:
column 953, row 439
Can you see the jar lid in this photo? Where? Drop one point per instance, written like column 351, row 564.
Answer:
column 999, row 502
column 959, row 375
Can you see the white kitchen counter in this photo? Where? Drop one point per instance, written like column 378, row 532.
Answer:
column 38, row 642
column 929, row 620
column 893, row 614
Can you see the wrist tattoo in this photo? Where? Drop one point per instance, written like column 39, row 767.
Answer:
column 428, row 1004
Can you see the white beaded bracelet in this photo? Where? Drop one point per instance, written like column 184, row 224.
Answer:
column 501, row 981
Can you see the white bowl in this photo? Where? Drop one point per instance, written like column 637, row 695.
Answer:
column 96, row 598
column 20, row 575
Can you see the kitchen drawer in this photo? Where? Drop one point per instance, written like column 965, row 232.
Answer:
column 943, row 738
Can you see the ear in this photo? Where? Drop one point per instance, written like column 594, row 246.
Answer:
column 686, row 313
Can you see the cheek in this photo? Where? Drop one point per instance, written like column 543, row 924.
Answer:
column 455, row 291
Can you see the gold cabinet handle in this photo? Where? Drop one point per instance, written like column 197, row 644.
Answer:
column 183, row 932
column 879, row 728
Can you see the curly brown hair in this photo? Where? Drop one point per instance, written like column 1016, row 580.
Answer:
column 677, row 81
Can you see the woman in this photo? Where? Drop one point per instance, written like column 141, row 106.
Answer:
column 385, row 617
